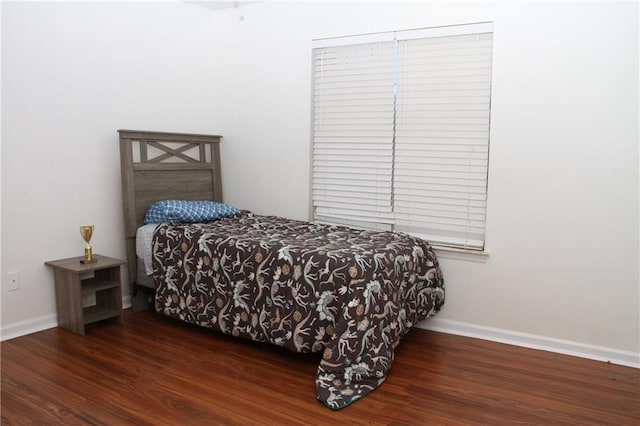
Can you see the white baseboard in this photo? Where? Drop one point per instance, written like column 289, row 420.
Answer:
column 23, row 328
column 533, row 341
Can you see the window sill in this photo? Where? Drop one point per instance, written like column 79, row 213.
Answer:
column 478, row 256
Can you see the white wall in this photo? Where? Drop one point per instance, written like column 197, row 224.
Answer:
column 563, row 192
column 563, row 214
column 72, row 74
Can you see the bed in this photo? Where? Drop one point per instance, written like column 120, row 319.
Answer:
column 348, row 294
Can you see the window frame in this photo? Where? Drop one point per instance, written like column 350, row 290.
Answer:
column 395, row 37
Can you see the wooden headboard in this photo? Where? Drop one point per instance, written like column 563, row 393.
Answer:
column 158, row 166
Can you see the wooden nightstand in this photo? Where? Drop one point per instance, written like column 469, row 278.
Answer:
column 74, row 280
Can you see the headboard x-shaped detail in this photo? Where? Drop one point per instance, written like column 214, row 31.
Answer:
column 171, row 153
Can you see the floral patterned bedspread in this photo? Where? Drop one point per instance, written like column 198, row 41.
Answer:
column 351, row 294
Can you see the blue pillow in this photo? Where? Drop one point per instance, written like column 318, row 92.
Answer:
column 180, row 211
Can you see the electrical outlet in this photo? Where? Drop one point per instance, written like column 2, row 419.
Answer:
column 14, row 280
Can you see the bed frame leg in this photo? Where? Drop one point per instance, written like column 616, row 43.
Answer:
column 141, row 299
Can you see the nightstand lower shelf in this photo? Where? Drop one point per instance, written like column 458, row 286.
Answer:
column 97, row 313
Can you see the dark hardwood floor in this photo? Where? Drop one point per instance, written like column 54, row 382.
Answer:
column 153, row 370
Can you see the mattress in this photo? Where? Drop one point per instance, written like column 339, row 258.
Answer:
column 142, row 279
column 144, row 236
column 144, row 270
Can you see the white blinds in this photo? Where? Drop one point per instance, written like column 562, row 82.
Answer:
column 353, row 133
column 442, row 138
column 401, row 133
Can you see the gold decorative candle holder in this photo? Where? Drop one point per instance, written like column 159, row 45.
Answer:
column 87, row 231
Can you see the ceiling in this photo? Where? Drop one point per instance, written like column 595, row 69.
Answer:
column 219, row 5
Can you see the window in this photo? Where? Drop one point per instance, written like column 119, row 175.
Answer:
column 400, row 137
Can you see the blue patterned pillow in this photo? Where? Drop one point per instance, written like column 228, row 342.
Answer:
column 180, row 211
